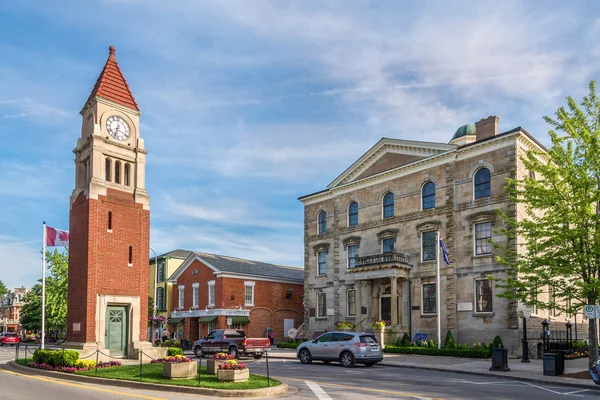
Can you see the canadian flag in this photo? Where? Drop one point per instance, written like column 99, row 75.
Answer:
column 56, row 237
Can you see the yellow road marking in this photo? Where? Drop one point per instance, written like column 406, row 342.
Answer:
column 418, row 396
column 60, row 382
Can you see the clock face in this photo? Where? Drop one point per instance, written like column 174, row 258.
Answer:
column 117, row 127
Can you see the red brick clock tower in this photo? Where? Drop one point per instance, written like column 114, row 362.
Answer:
column 109, row 223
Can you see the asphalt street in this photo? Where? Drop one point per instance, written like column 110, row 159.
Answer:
column 314, row 381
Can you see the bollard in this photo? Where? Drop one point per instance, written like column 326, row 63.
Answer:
column 97, row 353
column 62, row 361
column 268, row 376
column 140, row 355
column 17, row 353
column 199, row 369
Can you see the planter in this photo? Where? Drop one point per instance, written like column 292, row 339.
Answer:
column 212, row 366
column 233, row 375
column 184, row 370
column 499, row 360
column 380, row 336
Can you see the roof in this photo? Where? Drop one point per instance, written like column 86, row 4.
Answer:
column 111, row 84
column 179, row 253
column 242, row 266
column 469, row 129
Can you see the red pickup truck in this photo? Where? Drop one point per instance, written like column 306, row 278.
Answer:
column 231, row 341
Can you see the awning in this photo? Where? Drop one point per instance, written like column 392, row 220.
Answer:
column 206, row 320
column 239, row 320
column 174, row 321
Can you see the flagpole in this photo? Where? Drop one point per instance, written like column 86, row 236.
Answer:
column 43, row 285
column 437, row 295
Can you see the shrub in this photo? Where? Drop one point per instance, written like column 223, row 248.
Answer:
column 449, row 343
column 170, row 343
column 56, row 358
column 428, row 351
column 288, row 345
column 85, row 364
column 174, row 351
column 497, row 343
column 405, row 341
column 344, row 324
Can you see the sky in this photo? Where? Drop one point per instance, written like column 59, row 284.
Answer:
column 249, row 104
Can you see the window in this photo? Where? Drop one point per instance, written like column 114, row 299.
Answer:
column 212, row 325
column 130, row 255
column 353, row 214
column 322, row 222
column 483, row 295
column 388, row 205
column 160, row 295
column 321, row 305
column 322, row 263
column 181, row 299
column 195, row 295
column 428, row 194
column 351, row 302
column 388, row 245
column 532, row 175
column 429, row 248
column 160, row 273
column 483, row 233
column 110, row 220
column 429, row 299
column 482, row 183
column 352, row 256
column 107, row 170
column 126, row 180
column 249, row 293
column 118, row 172
column 211, row 293
column 328, row 337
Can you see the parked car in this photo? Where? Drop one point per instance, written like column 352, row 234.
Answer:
column 348, row 348
column 231, row 341
column 9, row 338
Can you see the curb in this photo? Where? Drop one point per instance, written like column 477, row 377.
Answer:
column 277, row 390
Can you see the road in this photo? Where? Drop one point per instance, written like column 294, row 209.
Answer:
column 315, row 381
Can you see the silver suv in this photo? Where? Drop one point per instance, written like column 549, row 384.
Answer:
column 348, row 348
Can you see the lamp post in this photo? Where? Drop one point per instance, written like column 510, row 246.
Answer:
column 569, row 333
column 525, row 358
column 545, row 335
column 154, row 298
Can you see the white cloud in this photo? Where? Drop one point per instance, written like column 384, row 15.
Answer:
column 22, row 263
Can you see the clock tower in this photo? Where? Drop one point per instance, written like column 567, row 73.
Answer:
column 109, row 223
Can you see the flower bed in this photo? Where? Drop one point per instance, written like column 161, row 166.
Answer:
column 580, row 353
column 428, row 351
column 212, row 364
column 380, row 324
column 80, row 365
column 233, row 371
column 344, row 325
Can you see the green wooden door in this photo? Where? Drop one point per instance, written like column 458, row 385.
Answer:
column 116, row 330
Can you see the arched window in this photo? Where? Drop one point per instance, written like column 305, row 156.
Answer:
column 353, row 214
column 428, row 195
column 118, row 172
column 107, row 170
column 322, row 228
column 126, row 179
column 482, row 183
column 388, row 205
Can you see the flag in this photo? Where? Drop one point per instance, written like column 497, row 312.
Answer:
column 444, row 250
column 56, row 237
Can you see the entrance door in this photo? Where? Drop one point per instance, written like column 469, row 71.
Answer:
column 116, row 330
column 287, row 325
column 386, row 308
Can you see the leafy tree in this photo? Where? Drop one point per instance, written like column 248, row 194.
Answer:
column 3, row 289
column 555, row 242
column 449, row 342
column 31, row 313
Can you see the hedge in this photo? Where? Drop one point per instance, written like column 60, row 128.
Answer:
column 427, row 351
column 287, row 345
column 175, row 351
column 56, row 358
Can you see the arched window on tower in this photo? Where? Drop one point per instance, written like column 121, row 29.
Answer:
column 107, row 170
column 126, row 179
column 118, row 172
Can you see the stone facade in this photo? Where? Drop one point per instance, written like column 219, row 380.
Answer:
column 390, row 285
column 10, row 309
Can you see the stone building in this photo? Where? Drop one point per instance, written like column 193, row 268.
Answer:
column 10, row 309
column 370, row 246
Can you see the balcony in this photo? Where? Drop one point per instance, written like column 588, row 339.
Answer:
column 383, row 261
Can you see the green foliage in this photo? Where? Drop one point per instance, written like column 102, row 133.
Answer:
column 405, row 341
column 56, row 358
column 171, row 343
column 449, row 342
column 174, row 351
column 429, row 351
column 497, row 343
column 3, row 289
column 31, row 313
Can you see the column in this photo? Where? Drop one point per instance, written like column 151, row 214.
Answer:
column 405, row 303
column 394, row 287
column 358, row 316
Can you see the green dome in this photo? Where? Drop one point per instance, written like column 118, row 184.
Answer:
column 464, row 130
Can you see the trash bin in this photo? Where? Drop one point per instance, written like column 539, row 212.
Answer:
column 561, row 361
column 499, row 360
column 552, row 364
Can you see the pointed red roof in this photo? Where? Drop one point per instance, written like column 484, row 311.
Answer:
column 111, row 84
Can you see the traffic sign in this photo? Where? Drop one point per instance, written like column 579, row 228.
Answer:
column 591, row 311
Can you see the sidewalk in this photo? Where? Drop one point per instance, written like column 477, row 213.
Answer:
column 532, row 372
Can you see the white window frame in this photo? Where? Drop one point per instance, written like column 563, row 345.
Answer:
column 211, row 293
column 196, row 295
column 318, row 269
column 181, row 297
column 423, row 297
column 251, row 286
column 348, row 303
column 475, row 295
column 348, row 255
column 475, row 237
column 322, row 295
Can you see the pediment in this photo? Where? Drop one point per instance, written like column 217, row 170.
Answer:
column 389, row 154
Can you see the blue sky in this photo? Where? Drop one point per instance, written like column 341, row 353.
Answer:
column 248, row 105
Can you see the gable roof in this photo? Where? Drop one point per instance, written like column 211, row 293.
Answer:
column 111, row 84
column 239, row 266
column 179, row 253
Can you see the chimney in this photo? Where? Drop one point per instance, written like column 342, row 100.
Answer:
column 486, row 127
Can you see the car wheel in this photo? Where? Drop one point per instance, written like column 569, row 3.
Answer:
column 198, row 351
column 304, row 356
column 369, row 364
column 258, row 356
column 233, row 351
column 347, row 359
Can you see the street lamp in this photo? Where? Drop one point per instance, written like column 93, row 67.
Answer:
column 525, row 358
column 546, row 335
column 154, row 298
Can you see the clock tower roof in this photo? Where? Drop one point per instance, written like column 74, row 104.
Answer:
column 111, row 85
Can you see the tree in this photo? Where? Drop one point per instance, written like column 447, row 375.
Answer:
column 56, row 297
column 3, row 289
column 553, row 238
